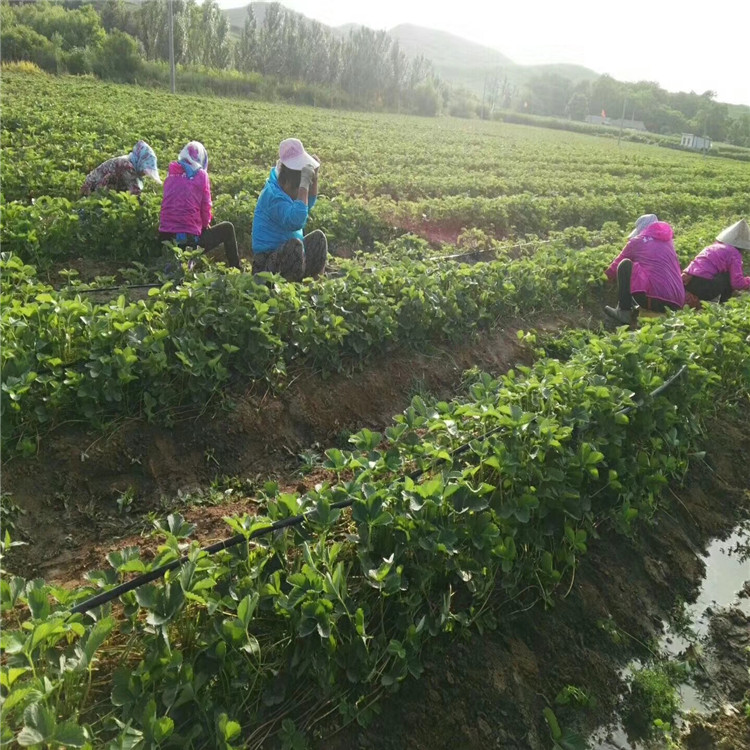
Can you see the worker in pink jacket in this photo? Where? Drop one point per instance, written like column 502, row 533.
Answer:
column 648, row 272
column 186, row 206
column 716, row 271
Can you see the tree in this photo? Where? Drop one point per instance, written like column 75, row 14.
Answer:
column 738, row 131
column 607, row 95
column 115, row 14
column 711, row 119
column 221, row 42
column 398, row 70
column 20, row 42
column 247, row 45
column 271, row 41
column 70, row 28
column 150, row 22
column 578, row 106
column 549, row 94
column 118, row 58
column 425, row 99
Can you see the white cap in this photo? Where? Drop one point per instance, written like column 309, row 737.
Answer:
column 292, row 154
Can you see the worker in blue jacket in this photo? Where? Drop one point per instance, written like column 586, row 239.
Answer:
column 281, row 213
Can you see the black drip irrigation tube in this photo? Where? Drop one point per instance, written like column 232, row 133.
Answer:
column 121, row 288
column 233, row 541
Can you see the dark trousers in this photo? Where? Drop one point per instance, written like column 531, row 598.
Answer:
column 626, row 297
column 707, row 289
column 211, row 237
column 295, row 259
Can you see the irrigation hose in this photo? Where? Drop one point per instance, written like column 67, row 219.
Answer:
column 233, row 541
column 121, row 288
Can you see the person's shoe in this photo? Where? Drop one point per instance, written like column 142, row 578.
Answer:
column 624, row 317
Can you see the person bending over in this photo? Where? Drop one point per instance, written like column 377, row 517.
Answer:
column 124, row 173
column 186, row 208
column 716, row 272
column 647, row 271
column 281, row 214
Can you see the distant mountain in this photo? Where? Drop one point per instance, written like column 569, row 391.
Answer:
column 464, row 63
column 237, row 16
column 446, row 50
column 456, row 60
column 346, row 28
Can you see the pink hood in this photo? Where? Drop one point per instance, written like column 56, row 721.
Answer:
column 659, row 230
column 175, row 169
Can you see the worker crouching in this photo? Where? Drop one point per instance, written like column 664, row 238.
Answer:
column 281, row 214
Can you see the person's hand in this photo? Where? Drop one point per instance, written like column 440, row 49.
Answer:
column 317, row 170
column 308, row 173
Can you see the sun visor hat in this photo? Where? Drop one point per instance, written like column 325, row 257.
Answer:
column 293, row 155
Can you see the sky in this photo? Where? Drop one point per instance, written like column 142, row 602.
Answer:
column 684, row 46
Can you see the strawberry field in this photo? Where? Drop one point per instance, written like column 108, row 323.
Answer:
column 461, row 506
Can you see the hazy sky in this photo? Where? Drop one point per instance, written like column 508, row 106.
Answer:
column 683, row 46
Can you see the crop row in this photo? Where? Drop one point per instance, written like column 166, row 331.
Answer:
column 50, row 142
column 234, row 647
column 67, row 357
column 120, row 227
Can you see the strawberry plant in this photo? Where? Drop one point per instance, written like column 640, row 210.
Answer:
column 268, row 636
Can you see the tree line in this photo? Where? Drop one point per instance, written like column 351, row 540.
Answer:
column 367, row 66
column 363, row 68
column 660, row 111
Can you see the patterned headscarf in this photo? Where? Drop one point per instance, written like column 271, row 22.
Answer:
column 642, row 222
column 193, row 158
column 143, row 158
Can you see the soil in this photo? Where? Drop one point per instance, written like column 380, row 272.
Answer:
column 69, row 491
column 434, row 232
column 726, row 662
column 489, row 691
column 726, row 672
column 725, row 730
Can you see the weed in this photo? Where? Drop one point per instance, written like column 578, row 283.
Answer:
column 125, row 501
column 573, row 696
column 309, row 461
column 653, row 697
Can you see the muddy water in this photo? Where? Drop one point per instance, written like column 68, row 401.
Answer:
column 727, row 572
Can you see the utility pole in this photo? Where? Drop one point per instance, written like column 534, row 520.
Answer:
column 171, row 47
column 622, row 119
column 484, row 92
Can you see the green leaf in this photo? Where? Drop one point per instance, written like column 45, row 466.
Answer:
column 39, row 725
column 70, row 734
column 96, row 637
column 552, row 723
column 246, row 608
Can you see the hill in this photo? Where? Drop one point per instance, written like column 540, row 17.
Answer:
column 456, row 60
column 464, row 63
column 447, row 51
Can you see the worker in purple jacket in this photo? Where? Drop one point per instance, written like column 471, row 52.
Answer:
column 187, row 209
column 716, row 271
column 647, row 271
